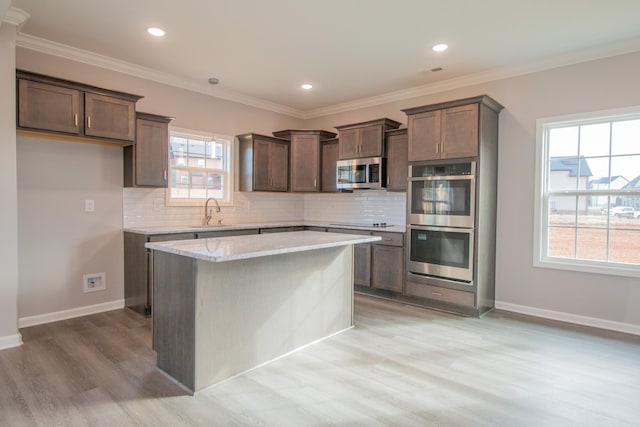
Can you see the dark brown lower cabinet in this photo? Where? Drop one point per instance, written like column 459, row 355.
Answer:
column 138, row 265
column 362, row 264
column 378, row 265
column 387, row 267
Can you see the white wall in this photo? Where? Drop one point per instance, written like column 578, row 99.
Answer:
column 58, row 241
column 592, row 86
column 9, row 336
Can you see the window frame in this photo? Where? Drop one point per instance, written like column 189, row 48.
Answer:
column 541, row 194
column 228, row 172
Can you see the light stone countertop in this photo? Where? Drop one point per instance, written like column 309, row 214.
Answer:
column 221, row 249
column 169, row 229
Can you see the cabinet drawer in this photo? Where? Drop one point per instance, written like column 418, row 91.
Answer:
column 390, row 239
column 441, row 294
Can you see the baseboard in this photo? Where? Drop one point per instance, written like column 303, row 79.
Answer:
column 10, row 341
column 24, row 322
column 593, row 322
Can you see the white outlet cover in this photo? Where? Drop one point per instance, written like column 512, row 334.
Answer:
column 89, row 205
column 94, row 282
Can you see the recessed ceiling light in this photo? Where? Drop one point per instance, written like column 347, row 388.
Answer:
column 441, row 47
column 155, row 31
column 306, row 86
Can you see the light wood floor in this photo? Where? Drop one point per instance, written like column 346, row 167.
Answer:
column 400, row 366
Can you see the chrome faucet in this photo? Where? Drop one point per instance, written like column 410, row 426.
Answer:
column 207, row 211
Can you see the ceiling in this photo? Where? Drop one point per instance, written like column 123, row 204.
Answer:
column 352, row 51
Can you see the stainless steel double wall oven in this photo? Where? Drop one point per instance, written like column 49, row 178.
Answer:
column 441, row 221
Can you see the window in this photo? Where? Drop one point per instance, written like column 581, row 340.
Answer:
column 199, row 166
column 588, row 193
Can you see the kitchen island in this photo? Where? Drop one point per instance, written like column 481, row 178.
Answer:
column 223, row 306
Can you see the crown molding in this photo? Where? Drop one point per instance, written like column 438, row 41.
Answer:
column 620, row 48
column 49, row 47
column 79, row 55
column 16, row 17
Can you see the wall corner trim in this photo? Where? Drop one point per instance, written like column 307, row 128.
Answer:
column 10, row 341
column 40, row 319
column 594, row 322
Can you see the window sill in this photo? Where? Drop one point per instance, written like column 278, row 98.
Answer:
column 593, row 267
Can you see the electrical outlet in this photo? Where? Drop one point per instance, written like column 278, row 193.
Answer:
column 89, row 205
column 94, row 282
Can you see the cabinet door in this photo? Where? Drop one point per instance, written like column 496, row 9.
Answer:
column 109, row 117
column 329, row 160
column 349, row 143
column 305, row 163
column 48, row 107
column 151, row 153
column 424, row 136
column 261, row 154
column 460, row 131
column 371, row 141
column 362, row 264
column 397, row 164
column 387, row 267
column 279, row 166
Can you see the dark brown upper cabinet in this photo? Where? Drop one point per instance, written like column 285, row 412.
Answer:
column 449, row 130
column 365, row 139
column 305, row 158
column 54, row 106
column 397, row 160
column 146, row 162
column 329, row 158
column 264, row 163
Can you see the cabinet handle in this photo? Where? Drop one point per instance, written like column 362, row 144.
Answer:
column 75, row 119
column 315, row 183
column 438, row 294
column 388, row 180
column 165, row 175
column 89, row 122
column 437, row 148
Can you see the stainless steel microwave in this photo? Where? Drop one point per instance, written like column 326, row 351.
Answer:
column 361, row 173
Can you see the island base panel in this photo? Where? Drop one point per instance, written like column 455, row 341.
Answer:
column 215, row 320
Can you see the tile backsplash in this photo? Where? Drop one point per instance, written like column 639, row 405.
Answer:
column 144, row 207
column 365, row 206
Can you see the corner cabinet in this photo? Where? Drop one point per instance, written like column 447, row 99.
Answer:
column 264, row 163
column 54, row 106
column 146, row 162
column 305, row 157
column 365, row 139
column 449, row 130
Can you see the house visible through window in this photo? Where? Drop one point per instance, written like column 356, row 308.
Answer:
column 588, row 210
column 199, row 168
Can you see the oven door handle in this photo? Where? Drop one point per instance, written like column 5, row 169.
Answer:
column 446, row 229
column 442, row 178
